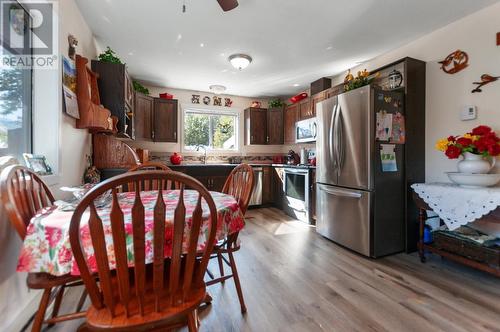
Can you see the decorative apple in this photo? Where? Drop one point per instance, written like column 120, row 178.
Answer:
column 176, row 159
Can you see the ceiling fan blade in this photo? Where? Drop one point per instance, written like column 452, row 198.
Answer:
column 228, row 5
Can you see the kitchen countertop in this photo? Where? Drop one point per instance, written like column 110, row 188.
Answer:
column 234, row 165
column 294, row 166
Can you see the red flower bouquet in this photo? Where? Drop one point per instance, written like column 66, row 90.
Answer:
column 480, row 141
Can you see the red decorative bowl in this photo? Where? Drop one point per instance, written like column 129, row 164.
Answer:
column 166, row 95
column 298, row 97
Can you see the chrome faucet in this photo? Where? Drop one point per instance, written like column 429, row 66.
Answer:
column 198, row 147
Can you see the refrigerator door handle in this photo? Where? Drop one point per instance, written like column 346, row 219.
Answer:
column 331, row 144
column 342, row 193
column 340, row 137
column 336, row 142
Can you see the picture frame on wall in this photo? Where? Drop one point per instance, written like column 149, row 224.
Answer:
column 70, row 104
column 37, row 163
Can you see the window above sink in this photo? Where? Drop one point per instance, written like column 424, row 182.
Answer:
column 216, row 130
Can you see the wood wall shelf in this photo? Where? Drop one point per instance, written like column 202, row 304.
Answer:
column 92, row 115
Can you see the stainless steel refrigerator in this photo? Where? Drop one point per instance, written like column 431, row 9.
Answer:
column 358, row 205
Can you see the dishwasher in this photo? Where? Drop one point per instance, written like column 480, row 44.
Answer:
column 256, row 198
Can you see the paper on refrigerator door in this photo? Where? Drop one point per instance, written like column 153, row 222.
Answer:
column 388, row 158
column 384, row 126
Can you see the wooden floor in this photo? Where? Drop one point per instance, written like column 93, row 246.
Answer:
column 295, row 280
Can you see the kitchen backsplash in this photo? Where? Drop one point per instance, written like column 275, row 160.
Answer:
column 165, row 158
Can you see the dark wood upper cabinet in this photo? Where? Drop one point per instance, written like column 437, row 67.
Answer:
column 319, row 97
column 334, row 91
column 275, row 126
column 117, row 94
column 291, row 116
column 255, row 126
column 165, row 120
column 143, row 117
column 305, row 109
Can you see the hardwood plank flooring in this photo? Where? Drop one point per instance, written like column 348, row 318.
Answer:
column 295, row 280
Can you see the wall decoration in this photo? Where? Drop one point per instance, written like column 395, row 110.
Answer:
column 363, row 78
column 217, row 101
column 37, row 163
column 299, row 97
column 349, row 77
column 138, row 87
column 276, row 103
column 395, row 79
column 383, row 126
column 109, row 56
column 228, row 102
column 195, row 99
column 485, row 79
column 455, row 62
column 498, row 38
column 388, row 158
column 72, row 43
column 91, row 174
column 398, row 129
column 166, row 95
column 206, row 100
column 70, row 106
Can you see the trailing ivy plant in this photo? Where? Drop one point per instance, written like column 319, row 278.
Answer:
column 140, row 88
column 109, row 56
column 275, row 103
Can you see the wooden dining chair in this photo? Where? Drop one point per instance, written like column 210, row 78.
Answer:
column 239, row 184
column 141, row 297
column 23, row 194
column 146, row 185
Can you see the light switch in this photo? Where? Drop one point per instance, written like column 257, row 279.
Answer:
column 468, row 113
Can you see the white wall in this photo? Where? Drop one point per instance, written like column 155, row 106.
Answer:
column 54, row 135
column 75, row 143
column 447, row 94
column 240, row 103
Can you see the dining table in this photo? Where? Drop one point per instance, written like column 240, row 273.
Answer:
column 46, row 247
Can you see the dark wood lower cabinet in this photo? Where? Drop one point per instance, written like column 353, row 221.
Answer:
column 267, row 186
column 216, row 183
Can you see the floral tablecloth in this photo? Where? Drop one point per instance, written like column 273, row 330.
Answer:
column 46, row 247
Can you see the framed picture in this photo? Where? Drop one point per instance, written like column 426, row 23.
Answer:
column 69, row 88
column 37, row 163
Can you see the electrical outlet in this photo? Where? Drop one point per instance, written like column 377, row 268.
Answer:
column 468, row 113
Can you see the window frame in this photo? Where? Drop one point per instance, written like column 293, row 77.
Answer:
column 27, row 111
column 212, row 110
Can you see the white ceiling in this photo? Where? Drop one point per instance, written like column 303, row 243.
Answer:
column 292, row 42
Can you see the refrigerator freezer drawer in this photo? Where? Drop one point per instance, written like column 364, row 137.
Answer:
column 343, row 215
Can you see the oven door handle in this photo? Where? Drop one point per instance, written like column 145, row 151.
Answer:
column 297, row 171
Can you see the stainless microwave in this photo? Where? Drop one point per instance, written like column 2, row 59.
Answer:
column 306, row 131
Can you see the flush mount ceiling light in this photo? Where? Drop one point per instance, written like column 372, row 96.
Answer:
column 217, row 89
column 240, row 61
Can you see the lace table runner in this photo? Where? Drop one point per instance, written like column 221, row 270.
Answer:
column 455, row 205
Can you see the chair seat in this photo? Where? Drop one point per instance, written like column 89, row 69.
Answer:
column 45, row 280
column 101, row 319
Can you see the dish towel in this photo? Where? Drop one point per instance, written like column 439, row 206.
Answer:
column 455, row 205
